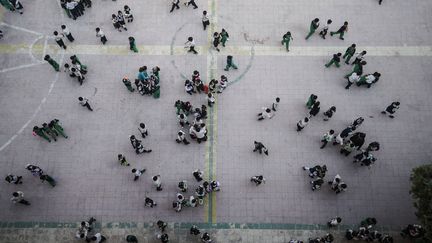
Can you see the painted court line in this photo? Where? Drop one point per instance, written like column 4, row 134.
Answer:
column 38, row 109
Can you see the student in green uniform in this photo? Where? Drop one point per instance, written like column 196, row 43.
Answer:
column 49, row 179
column 132, row 45
column 7, row 5
column 53, row 63
column 335, row 60
column 128, row 84
column 39, row 132
column 230, row 63
column 311, row 101
column 341, row 31
column 349, row 53
column 55, row 124
column 47, row 130
column 313, row 27
column 358, row 68
column 286, row 40
column 224, row 37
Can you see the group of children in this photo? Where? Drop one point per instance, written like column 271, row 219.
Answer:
column 49, row 130
column 197, row 129
column 119, row 20
column 198, row 86
column 18, row 196
column 366, row 232
column 317, row 173
column 356, row 75
column 76, row 69
column 323, row 33
column 75, row 8
column 201, row 191
column 313, row 105
column 87, row 227
column 145, row 84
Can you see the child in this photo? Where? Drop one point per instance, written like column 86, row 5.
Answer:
column 222, row 84
column 157, row 182
column 230, row 63
column 334, row 222
column 260, row 148
column 258, row 179
column 328, row 137
column 181, row 137
column 101, row 35
column 143, row 130
column 128, row 84
column 323, row 32
column 267, row 113
column 128, row 15
column 59, row 40
column 302, row 124
column 275, row 104
column 329, row 113
column 210, row 99
column 122, row 160
column 132, row 45
column 391, row 109
column 67, row 33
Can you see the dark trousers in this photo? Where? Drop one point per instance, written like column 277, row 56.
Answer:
column 74, row 13
column 25, row 202
column 380, row 1
column 61, row 44
column 192, row 49
column 185, row 141
column 174, row 5
column 324, row 143
column 80, row 80
column 88, row 106
column 348, row 85
column 70, row 37
column 323, row 33
column 205, row 24
column 103, row 39
column 192, row 2
column 88, row 3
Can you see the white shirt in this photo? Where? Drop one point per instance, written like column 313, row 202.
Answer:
column 98, row 237
column 157, row 182
column 71, row 5
column 142, row 130
column 100, row 33
column 200, row 134
column 211, row 99
column 205, row 18
column 182, row 136
column 57, row 38
column 18, row 198
column 190, row 43
column 66, row 31
column 84, row 101
column 354, row 78
column 302, row 123
column 370, row 78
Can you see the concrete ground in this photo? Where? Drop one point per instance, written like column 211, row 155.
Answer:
column 92, row 183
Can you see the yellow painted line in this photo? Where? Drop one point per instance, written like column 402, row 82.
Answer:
column 165, row 50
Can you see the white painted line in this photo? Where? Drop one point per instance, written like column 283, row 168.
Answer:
column 21, row 28
column 20, row 67
column 30, row 52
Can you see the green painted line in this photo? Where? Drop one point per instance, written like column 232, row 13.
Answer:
column 187, row 225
